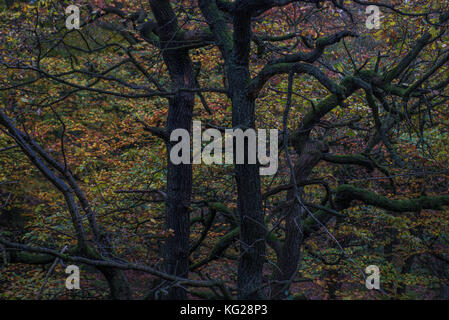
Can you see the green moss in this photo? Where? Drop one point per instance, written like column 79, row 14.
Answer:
column 220, row 207
column 346, row 193
column 218, row 248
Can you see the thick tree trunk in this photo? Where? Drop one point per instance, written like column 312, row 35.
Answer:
column 290, row 253
column 252, row 231
column 291, row 249
column 179, row 188
column 118, row 284
column 441, row 268
column 252, row 225
column 179, row 177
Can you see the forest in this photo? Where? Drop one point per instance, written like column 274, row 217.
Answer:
column 334, row 183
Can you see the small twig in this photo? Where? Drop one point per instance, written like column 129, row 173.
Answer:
column 9, row 148
column 161, row 193
column 156, row 131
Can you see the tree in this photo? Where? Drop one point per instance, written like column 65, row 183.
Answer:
column 373, row 94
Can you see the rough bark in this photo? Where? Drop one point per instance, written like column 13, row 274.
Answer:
column 235, row 50
column 179, row 177
column 291, row 249
column 345, row 194
column 252, row 225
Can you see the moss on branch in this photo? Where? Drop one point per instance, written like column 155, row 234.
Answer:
column 345, row 194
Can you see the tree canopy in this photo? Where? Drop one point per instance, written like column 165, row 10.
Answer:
column 361, row 112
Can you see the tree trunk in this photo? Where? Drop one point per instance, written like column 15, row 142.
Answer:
column 291, row 249
column 252, row 230
column 118, row 283
column 179, row 177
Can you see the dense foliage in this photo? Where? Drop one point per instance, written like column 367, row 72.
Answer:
column 363, row 173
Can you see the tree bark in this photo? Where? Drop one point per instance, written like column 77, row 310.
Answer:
column 252, row 225
column 179, row 177
column 291, row 250
column 235, row 48
column 118, row 283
